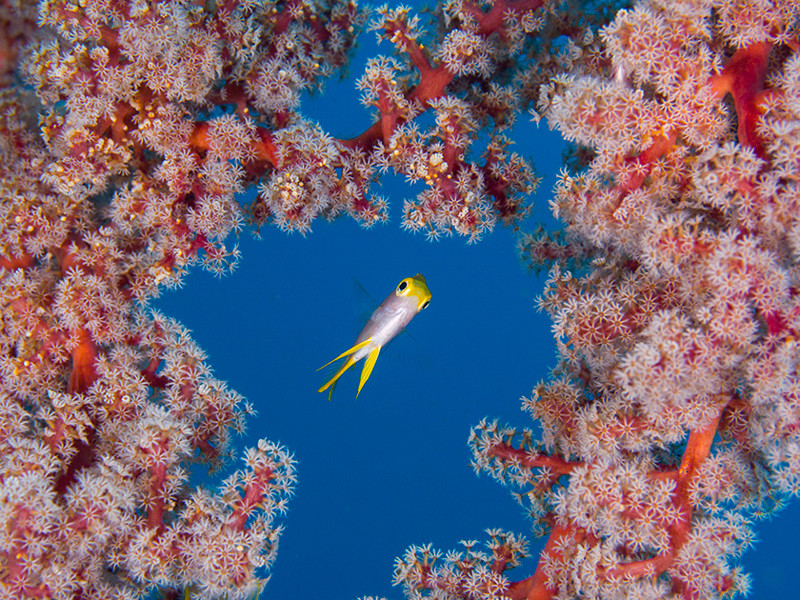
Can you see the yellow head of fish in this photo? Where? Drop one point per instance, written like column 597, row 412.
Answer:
column 415, row 287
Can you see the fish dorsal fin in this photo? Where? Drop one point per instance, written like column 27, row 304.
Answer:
column 365, row 303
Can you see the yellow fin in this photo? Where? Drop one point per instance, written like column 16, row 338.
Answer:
column 332, row 381
column 345, row 353
column 369, row 363
column 348, row 363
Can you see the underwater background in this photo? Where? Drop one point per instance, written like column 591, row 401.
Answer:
column 390, row 469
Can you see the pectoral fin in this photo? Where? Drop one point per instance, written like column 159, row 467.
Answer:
column 369, row 363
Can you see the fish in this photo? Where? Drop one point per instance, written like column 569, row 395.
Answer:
column 410, row 297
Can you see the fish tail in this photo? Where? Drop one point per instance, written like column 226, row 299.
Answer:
column 332, row 381
column 347, row 364
column 347, row 352
column 369, row 363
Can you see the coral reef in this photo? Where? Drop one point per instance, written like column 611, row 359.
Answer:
column 129, row 130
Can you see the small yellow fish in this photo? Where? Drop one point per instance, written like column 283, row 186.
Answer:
column 409, row 297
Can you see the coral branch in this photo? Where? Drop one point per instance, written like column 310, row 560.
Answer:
column 743, row 78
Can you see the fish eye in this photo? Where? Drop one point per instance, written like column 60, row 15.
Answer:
column 403, row 285
column 425, row 305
